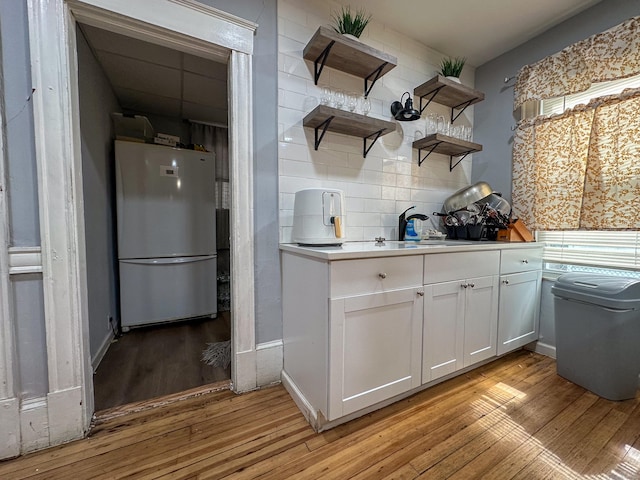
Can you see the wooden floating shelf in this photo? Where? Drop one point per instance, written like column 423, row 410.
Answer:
column 328, row 119
column 446, row 145
column 331, row 49
column 447, row 92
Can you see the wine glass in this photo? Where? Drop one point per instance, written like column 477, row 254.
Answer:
column 339, row 98
column 352, row 101
column 366, row 106
column 325, row 98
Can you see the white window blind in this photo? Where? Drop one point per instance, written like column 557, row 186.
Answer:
column 560, row 104
column 607, row 249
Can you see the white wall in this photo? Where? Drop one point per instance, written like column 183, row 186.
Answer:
column 377, row 188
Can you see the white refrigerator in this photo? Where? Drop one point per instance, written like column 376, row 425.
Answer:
column 166, row 217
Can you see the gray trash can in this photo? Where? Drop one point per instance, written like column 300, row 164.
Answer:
column 597, row 320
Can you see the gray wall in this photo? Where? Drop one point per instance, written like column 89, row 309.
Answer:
column 21, row 161
column 493, row 118
column 97, row 102
column 28, row 301
column 22, row 190
column 265, row 161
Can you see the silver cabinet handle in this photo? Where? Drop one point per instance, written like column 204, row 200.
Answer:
column 420, row 293
column 525, row 261
column 506, row 282
column 382, row 275
column 472, row 285
column 464, row 285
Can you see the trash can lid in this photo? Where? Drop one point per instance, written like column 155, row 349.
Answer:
column 606, row 290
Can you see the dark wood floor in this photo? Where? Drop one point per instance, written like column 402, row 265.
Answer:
column 511, row 419
column 150, row 362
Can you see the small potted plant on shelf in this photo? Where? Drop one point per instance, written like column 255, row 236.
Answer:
column 451, row 68
column 348, row 24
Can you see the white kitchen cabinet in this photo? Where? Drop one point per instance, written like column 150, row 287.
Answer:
column 460, row 314
column 352, row 331
column 375, row 348
column 364, row 325
column 519, row 306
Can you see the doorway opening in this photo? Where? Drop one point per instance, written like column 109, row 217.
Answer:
column 188, row 26
column 132, row 92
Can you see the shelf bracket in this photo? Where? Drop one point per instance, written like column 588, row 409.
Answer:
column 462, row 157
column 365, row 150
column 433, row 147
column 377, row 72
column 324, row 125
column 433, row 95
column 322, row 58
column 462, row 106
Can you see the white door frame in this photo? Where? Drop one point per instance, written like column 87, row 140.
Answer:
column 184, row 25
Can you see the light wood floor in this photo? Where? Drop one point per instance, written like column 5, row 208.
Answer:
column 153, row 361
column 511, row 419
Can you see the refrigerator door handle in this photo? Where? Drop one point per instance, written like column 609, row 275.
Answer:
column 167, row 260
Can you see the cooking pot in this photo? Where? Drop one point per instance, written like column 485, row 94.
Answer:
column 497, row 203
column 466, row 196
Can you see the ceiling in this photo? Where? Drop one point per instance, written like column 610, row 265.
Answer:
column 479, row 30
column 152, row 79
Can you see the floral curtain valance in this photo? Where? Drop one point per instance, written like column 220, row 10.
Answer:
column 580, row 169
column 612, row 54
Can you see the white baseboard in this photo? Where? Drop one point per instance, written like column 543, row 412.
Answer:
column 97, row 358
column 10, row 431
column 259, row 367
column 299, row 399
column 244, row 376
column 34, row 424
column 270, row 359
column 65, row 415
column 542, row 349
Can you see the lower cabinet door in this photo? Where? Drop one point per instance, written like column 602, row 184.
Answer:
column 481, row 319
column 443, row 329
column 518, row 317
column 375, row 348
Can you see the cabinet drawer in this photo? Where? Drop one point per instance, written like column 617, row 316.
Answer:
column 521, row 260
column 372, row 275
column 446, row 267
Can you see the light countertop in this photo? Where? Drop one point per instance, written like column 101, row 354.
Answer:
column 391, row 248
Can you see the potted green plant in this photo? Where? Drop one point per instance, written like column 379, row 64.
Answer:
column 349, row 24
column 451, row 68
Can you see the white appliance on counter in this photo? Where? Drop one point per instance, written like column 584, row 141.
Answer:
column 166, row 220
column 319, row 217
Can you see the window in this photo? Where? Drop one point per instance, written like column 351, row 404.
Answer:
column 611, row 252
column 560, row 104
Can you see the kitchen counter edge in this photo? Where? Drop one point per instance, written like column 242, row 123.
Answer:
column 353, row 250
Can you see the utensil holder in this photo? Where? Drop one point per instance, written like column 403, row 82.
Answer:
column 451, row 232
column 474, row 232
column 461, row 232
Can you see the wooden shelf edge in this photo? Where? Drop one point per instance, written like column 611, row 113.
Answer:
column 445, row 145
column 348, row 123
column 347, row 55
column 449, row 93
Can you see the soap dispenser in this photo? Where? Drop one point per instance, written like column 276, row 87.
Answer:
column 406, row 232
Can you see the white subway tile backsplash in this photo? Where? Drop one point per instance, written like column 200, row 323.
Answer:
column 379, row 187
column 364, row 191
column 364, row 219
column 292, row 151
column 388, row 193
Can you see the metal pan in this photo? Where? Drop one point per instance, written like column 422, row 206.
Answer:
column 466, row 196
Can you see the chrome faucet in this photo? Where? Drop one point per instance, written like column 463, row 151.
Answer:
column 403, row 219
